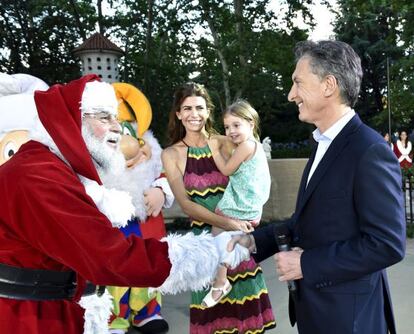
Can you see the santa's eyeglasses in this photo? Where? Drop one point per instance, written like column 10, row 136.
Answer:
column 103, row 117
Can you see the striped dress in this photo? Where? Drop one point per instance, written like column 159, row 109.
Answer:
column 246, row 309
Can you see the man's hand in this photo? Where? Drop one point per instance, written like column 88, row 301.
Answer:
column 245, row 240
column 154, row 199
column 230, row 258
column 288, row 265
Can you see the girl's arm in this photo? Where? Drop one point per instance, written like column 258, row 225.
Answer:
column 170, row 158
column 243, row 152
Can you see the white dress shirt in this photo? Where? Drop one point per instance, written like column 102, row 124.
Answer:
column 325, row 139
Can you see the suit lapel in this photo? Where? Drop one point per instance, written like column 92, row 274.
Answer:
column 336, row 147
column 305, row 175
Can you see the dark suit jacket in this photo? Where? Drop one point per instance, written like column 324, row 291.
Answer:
column 350, row 222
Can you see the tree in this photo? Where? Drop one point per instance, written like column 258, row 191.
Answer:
column 247, row 52
column 39, row 35
column 378, row 30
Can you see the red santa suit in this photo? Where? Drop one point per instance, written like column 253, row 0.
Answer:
column 403, row 154
column 50, row 221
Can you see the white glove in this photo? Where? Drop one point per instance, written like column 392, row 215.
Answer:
column 236, row 256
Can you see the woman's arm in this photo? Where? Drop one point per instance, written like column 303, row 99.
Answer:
column 243, row 152
column 170, row 158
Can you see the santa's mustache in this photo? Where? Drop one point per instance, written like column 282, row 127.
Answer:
column 112, row 137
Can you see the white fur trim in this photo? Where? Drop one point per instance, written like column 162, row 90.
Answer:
column 99, row 96
column 114, row 204
column 97, row 313
column 194, row 261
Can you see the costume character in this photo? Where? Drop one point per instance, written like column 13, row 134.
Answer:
column 17, row 111
column 149, row 189
column 49, row 256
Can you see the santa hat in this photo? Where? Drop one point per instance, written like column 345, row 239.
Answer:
column 60, row 113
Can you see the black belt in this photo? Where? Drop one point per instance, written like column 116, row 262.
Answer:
column 37, row 284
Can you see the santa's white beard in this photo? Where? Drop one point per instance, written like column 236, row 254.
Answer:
column 106, row 159
column 134, row 181
column 139, row 178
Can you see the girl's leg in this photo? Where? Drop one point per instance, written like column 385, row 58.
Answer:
column 221, row 285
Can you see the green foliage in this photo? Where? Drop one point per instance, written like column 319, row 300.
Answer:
column 379, row 30
column 236, row 48
column 39, row 35
column 410, row 230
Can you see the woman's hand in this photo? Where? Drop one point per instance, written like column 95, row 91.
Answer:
column 239, row 225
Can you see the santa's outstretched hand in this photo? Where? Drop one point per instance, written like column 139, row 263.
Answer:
column 195, row 260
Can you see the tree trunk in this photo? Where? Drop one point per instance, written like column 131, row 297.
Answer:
column 219, row 50
column 148, row 44
column 238, row 11
column 100, row 17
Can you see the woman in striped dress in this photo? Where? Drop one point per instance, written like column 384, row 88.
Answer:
column 198, row 186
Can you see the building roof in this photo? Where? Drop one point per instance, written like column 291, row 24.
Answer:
column 97, row 42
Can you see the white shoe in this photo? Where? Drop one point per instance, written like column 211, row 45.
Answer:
column 209, row 301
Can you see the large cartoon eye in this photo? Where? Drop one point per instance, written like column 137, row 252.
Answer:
column 9, row 150
column 126, row 131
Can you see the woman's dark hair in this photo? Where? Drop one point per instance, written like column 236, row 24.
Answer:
column 176, row 130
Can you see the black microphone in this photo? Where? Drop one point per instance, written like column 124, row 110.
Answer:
column 282, row 240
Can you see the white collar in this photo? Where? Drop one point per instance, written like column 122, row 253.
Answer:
column 333, row 131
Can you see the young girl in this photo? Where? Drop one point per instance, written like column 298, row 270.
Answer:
column 249, row 186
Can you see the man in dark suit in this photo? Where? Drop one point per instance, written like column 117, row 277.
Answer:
column 349, row 217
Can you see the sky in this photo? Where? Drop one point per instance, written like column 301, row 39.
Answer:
column 323, row 18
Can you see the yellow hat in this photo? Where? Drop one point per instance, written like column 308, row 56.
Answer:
column 133, row 106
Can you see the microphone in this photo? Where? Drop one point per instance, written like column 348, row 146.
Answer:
column 281, row 233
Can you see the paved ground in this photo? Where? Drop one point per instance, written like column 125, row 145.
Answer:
column 175, row 308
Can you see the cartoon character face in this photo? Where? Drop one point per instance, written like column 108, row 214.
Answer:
column 135, row 114
column 11, row 142
column 134, row 149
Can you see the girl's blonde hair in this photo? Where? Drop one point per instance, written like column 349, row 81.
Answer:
column 243, row 109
